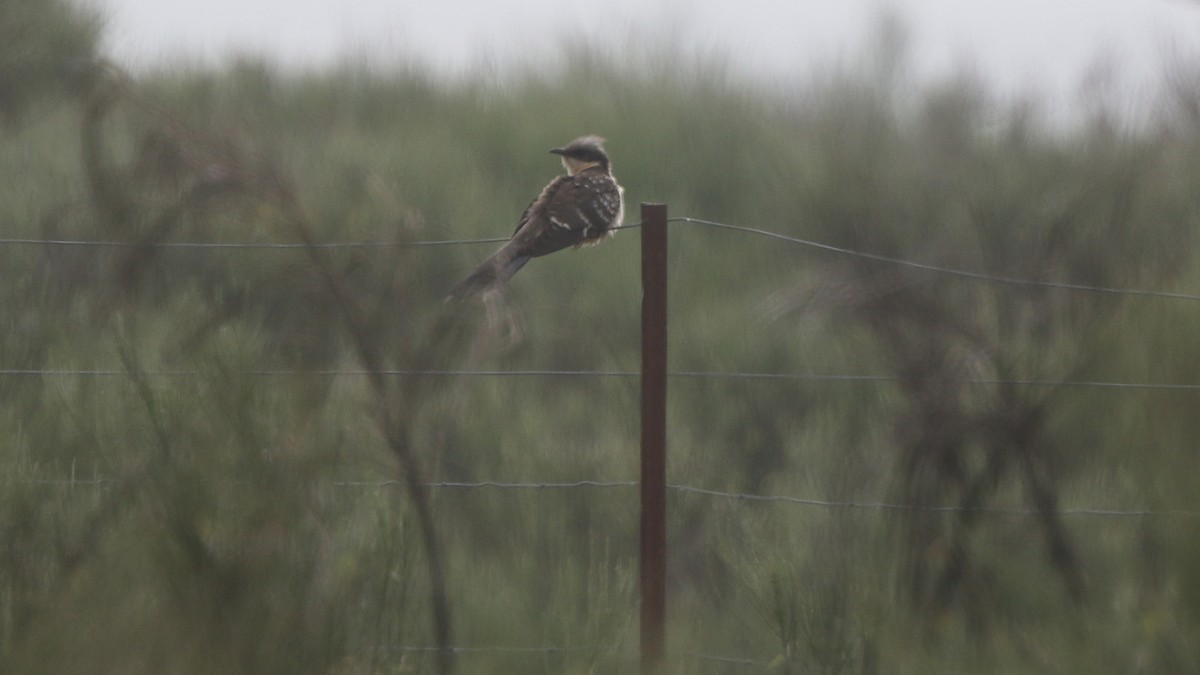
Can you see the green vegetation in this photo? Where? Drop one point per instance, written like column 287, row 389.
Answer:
column 228, row 487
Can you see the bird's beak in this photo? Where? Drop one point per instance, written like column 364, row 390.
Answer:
column 558, row 151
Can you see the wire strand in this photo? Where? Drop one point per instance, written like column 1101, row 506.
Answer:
column 704, row 492
column 552, row 649
column 885, row 506
column 17, row 241
column 686, row 374
column 978, row 276
column 495, row 484
column 250, row 245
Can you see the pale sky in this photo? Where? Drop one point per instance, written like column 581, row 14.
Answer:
column 1043, row 45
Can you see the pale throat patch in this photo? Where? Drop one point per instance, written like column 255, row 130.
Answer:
column 574, row 166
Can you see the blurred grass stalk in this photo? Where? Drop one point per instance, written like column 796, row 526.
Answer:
column 225, row 536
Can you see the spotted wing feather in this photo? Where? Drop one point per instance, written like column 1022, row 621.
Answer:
column 571, row 211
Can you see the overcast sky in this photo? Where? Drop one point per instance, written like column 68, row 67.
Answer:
column 1044, row 45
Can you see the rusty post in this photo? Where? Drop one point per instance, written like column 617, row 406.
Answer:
column 653, row 577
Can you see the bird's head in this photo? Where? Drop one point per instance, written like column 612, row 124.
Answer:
column 582, row 153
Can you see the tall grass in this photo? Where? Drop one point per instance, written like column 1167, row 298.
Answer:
column 194, row 513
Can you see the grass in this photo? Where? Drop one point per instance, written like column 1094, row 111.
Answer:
column 260, row 523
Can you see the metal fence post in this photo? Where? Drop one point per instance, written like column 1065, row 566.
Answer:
column 653, row 565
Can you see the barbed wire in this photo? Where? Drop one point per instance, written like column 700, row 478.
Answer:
column 704, row 492
column 683, row 374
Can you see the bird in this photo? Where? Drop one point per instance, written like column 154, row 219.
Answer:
column 578, row 209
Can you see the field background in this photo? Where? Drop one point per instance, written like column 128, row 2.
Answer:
column 209, row 467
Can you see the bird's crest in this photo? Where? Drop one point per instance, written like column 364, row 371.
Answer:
column 585, row 149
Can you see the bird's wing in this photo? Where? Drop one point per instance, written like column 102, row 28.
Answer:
column 537, row 207
column 572, row 210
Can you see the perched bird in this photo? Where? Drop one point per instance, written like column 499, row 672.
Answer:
column 578, row 209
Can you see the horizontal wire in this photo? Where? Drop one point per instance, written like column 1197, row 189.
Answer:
column 495, row 484
column 979, row 276
column 733, row 660
column 58, row 481
column 741, row 496
column 262, row 245
column 684, row 374
column 884, row 506
column 835, row 377
column 550, row 649
column 501, row 650
column 251, row 245
column 689, row 489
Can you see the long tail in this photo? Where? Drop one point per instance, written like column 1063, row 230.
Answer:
column 492, row 272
